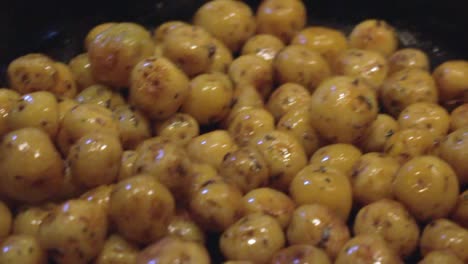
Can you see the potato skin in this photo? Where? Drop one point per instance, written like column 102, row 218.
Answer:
column 134, row 127
column 80, row 67
column 246, row 125
column 430, row 116
column 459, row 117
column 376, row 35
column 117, row 250
column 460, row 213
column 409, row 143
column 451, row 78
column 32, row 72
column 440, row 256
column 24, row 249
column 454, row 151
column 300, row 254
column 161, row 31
column 6, row 219
column 183, row 226
column 265, row 46
column 339, row 156
column 286, row 97
column 8, row 99
column 180, row 128
column 408, row 58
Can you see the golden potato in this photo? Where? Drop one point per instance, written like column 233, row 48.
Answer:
column 100, row 196
column 180, row 128
column 367, row 249
column 101, row 95
column 245, row 97
column 65, row 81
column 6, row 219
column 134, row 127
column 409, row 143
column 451, row 78
column 440, row 256
column 201, row 175
column 428, row 116
column 222, row 57
column 126, row 164
column 24, row 249
column 378, row 133
column 183, row 226
column 460, row 213
column 300, row 254
column 459, row 117
column 453, row 149
column 117, row 250
column 408, row 58
column 286, row 97
column 161, row 31
column 64, row 106
column 95, row 31
column 342, row 157
column 376, row 35
column 249, row 123
column 80, row 67
column 8, row 99
column 265, row 46
column 28, row 221
column 31, row 73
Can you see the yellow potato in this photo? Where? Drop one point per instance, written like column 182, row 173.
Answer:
column 117, row 250
column 6, row 219
column 65, row 81
column 453, row 149
column 459, row 117
column 24, row 249
column 80, row 68
column 222, row 57
column 64, row 106
column 31, row 73
column 161, row 31
column 134, row 127
column 428, row 116
column 376, row 35
column 126, row 164
column 100, row 196
column 95, row 31
column 367, row 249
column 183, row 226
column 451, row 78
column 378, row 133
column 179, row 128
column 28, row 221
column 8, row 99
column 408, row 58
column 342, row 157
column 245, row 97
column 300, row 254
column 460, row 213
column 265, row 46
column 286, row 97
column 249, row 123
column 409, row 143
column 101, row 95
column 440, row 256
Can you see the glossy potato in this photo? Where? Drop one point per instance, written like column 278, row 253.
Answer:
column 100, row 196
column 440, row 256
column 460, row 213
column 6, row 220
column 409, row 143
column 24, row 249
column 65, row 81
column 342, row 157
column 454, row 151
column 265, row 46
column 28, row 221
column 161, row 31
column 95, row 31
column 451, row 78
column 80, row 67
column 378, row 133
column 286, row 97
column 376, row 35
column 246, row 125
column 183, row 226
column 300, row 254
column 429, row 116
column 459, row 117
column 408, row 58
column 8, row 99
column 31, row 73
column 117, row 250
column 134, row 127
column 367, row 249
column 127, row 163
column 179, row 128
column 222, row 57
column 101, row 95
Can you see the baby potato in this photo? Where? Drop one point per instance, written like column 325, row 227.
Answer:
column 28, row 221
column 126, row 164
column 252, row 70
column 222, row 57
column 6, row 220
column 443, row 234
column 8, row 99
column 24, row 249
column 162, row 30
column 265, row 46
column 245, row 168
column 460, row 213
column 453, row 149
column 299, row 64
column 158, row 88
column 117, row 250
column 458, row 117
column 174, row 250
column 190, row 48
column 255, row 237
column 367, row 249
column 114, row 51
column 408, row 58
column 326, row 41
column 284, row 155
column 440, row 256
column 201, row 175
column 65, row 81
column 100, row 196
column 211, row 147
column 180, row 128
column 100, row 95
column 80, row 67
column 430, row 116
column 392, row 222
column 64, row 106
column 427, row 186
column 409, row 143
column 378, row 133
column 366, row 65
column 376, row 35
column 40, row 175
column 238, row 262
column 342, row 157
column 134, row 127
column 230, row 21
column 249, row 123
column 281, row 18
column 245, row 97
column 317, row 225
column 342, row 109
column 406, row 87
column 183, row 226
column 209, row 98
column 73, row 232
column 451, row 78
column 322, row 186
column 141, row 209
column 372, row 177
column 70, row 188
column 38, row 109
column 286, row 97
column 300, row 254
column 95, row 31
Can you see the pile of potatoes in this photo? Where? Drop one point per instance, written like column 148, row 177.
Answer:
column 290, row 143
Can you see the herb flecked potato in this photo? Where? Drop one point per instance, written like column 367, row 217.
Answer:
column 24, row 249
column 301, row 254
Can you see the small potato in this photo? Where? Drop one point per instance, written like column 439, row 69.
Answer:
column 376, row 35
column 409, row 143
column 250, row 123
column 162, row 30
column 428, row 116
column 300, row 254
column 95, row 31
column 222, row 57
column 64, row 106
column 28, row 221
column 263, row 45
column 117, row 250
column 451, row 78
column 201, row 175
column 271, row 202
column 80, row 67
column 134, row 127
column 126, row 164
column 174, row 250
column 316, row 225
column 100, row 95
column 342, row 157
column 209, row 99
column 459, row 117
column 40, row 175
column 252, row 70
column 245, row 97
column 454, row 150
column 443, row 234
column 38, row 109
column 65, row 81
column 406, row 87
column 367, row 249
column 326, row 41
column 158, row 88
column 342, row 109
column 299, row 64
column 183, row 226
column 8, row 99
column 322, row 186
column 70, row 188
column 427, row 186
column 158, row 51
column 24, row 249
column 366, row 65
column 179, row 128
column 440, row 256
column 392, row 222
column 245, row 168
column 255, row 237
column 141, row 209
column 238, row 262
column 460, row 213
column 6, row 219
column 31, row 73
column 372, row 177
column 100, row 196
column 378, row 133
column 286, row 97
column 114, row 51
column 284, row 155
column 230, row 21
column 281, row 18
column 74, row 232
column 408, row 58
column 211, row 147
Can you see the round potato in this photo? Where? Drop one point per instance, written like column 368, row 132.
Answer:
column 222, row 57
column 367, row 249
column 80, row 67
column 64, row 106
column 183, row 226
column 453, row 149
column 179, row 128
column 245, row 97
column 440, row 256
column 451, row 78
column 100, row 196
column 95, row 31
column 161, row 31
column 65, row 81
column 376, row 35
column 300, row 254
column 460, row 213
column 24, row 249
column 28, row 221
column 201, row 175
column 408, row 58
column 342, row 157
column 8, row 99
column 100, row 95
column 31, row 73
column 117, row 250
column 265, row 46
column 286, row 97
column 428, row 116
column 250, row 123
column 409, row 143
column 6, row 219
column 459, row 117
column 134, row 127
column 378, row 133
column 126, row 164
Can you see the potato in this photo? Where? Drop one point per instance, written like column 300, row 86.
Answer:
column 222, row 57
column 372, row 177
column 70, row 188
column 238, row 262
column 376, row 35
column 451, row 78
column 209, row 99
column 230, row 21
column 64, row 106
column 428, row 116
column 367, row 249
column 183, row 226
column 202, row 175
column 73, row 232
column 271, row 202
column 127, row 162
column 114, row 51
column 249, row 123
column 378, row 133
column 65, row 81
column 281, row 18
column 286, row 97
column 174, row 250
column 255, row 237
column 80, row 67
column 299, row 64
column 134, row 127
column 117, row 250
column 342, row 157
column 245, row 97
column 158, row 88
column 440, row 256
column 100, row 196
column 408, row 58
column 406, row 87
column 342, row 109
column 95, row 31
column 265, row 46
column 141, row 209
column 31, row 73
column 316, row 225
column 101, row 95
column 453, row 150
column 409, row 143
column 427, row 186
column 28, row 221
column 40, row 175
column 24, row 249
column 460, row 213
column 8, row 99
column 443, row 234
column 300, row 254
column 179, row 128
column 161, row 31
column 6, row 219
column 459, row 117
